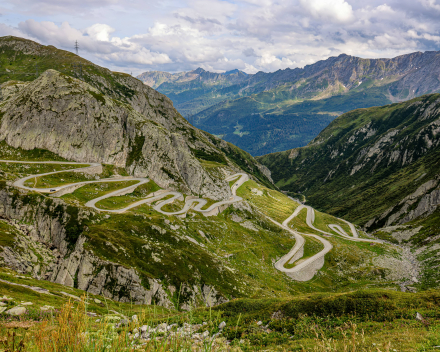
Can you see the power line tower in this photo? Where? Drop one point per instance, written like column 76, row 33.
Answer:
column 76, row 47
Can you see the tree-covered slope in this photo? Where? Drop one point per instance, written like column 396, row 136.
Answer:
column 269, row 112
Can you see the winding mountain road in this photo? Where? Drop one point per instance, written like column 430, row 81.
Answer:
column 303, row 270
column 214, row 209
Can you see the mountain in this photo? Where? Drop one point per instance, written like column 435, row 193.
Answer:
column 269, row 112
column 377, row 167
column 195, row 90
column 106, row 188
column 124, row 122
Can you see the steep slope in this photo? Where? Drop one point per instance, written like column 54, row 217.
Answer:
column 154, row 253
column 377, row 167
column 125, row 122
column 200, row 223
column 276, row 111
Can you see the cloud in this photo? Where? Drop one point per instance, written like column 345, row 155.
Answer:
column 430, row 4
column 100, row 32
column 218, row 35
column 335, row 10
column 249, row 52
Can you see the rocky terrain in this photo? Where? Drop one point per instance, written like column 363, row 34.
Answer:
column 123, row 122
column 162, row 250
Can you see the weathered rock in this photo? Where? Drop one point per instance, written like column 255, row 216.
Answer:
column 46, row 114
column 16, row 311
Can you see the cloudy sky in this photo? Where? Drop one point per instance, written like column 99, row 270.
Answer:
column 251, row 35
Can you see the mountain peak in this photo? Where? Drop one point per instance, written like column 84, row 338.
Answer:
column 232, row 72
column 199, row 70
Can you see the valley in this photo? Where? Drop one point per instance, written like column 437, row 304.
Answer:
column 139, row 231
column 288, row 108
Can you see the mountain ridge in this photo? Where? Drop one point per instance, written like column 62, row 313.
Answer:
column 288, row 108
column 128, row 104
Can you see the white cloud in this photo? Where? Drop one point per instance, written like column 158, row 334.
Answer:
column 430, row 4
column 251, row 35
column 337, row 10
column 100, row 32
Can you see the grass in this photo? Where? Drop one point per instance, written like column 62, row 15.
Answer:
column 119, row 202
column 7, row 235
column 311, row 247
column 299, row 223
column 272, row 203
column 143, row 234
column 373, row 320
column 208, row 203
column 175, row 206
column 94, row 190
column 9, row 153
column 62, row 178
column 322, row 220
column 11, row 171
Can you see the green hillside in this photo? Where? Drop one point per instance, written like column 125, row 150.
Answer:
column 376, row 167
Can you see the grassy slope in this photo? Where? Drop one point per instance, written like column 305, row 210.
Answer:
column 365, row 194
column 380, row 185
column 249, row 253
column 370, row 320
column 348, row 266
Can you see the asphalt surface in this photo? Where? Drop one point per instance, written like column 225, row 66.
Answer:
column 196, row 203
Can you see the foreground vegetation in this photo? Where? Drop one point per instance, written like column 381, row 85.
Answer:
column 372, row 320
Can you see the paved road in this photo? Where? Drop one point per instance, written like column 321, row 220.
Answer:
column 306, row 269
column 311, row 219
column 303, row 271
column 200, row 202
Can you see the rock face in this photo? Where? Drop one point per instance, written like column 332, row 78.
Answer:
column 42, row 250
column 76, row 121
column 109, row 117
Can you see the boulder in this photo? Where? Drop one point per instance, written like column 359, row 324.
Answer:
column 16, row 311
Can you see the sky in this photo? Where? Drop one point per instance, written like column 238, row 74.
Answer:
column 135, row 36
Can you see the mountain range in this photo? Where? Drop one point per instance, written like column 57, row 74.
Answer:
column 267, row 112
column 108, row 192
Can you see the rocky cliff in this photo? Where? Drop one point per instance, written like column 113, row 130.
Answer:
column 96, row 115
